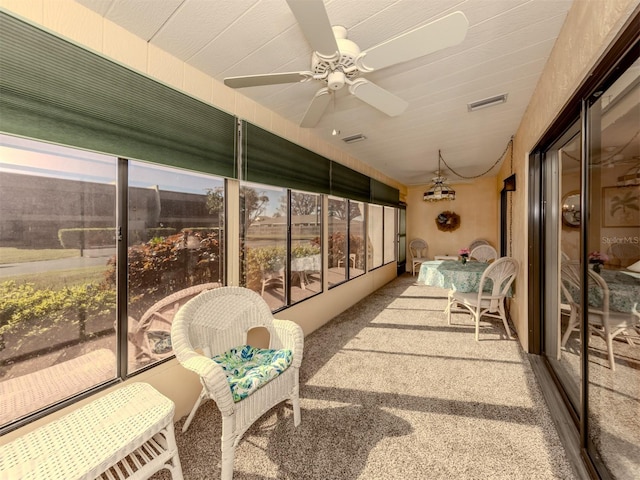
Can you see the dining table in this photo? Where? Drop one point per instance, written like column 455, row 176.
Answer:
column 624, row 290
column 453, row 275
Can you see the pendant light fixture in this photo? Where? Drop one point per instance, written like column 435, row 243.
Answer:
column 439, row 190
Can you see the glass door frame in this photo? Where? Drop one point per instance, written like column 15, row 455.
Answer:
column 622, row 54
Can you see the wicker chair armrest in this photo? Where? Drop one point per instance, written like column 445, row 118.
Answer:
column 213, row 379
column 292, row 337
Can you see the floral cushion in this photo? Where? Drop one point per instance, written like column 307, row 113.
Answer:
column 248, row 368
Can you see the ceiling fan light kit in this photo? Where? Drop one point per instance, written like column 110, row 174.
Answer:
column 337, row 61
column 439, row 190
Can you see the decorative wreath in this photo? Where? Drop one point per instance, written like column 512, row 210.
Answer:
column 448, row 221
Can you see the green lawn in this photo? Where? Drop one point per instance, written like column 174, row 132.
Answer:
column 58, row 279
column 18, row 255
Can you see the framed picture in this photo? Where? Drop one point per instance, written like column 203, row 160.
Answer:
column 621, row 206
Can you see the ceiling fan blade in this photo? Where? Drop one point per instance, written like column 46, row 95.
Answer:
column 442, row 33
column 378, row 97
column 266, row 79
column 314, row 22
column 316, row 109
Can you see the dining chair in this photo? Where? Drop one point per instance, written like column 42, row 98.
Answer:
column 209, row 336
column 477, row 242
column 624, row 254
column 418, row 249
column 603, row 321
column 484, row 253
column 499, row 275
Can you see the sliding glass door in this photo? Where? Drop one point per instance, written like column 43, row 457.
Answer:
column 591, row 273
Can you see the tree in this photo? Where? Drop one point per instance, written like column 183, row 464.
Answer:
column 215, row 201
column 301, row 204
column 337, row 209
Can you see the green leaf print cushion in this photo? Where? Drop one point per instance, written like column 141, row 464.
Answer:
column 248, row 368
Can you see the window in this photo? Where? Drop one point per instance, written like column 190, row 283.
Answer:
column 263, row 241
column 375, row 254
column 176, row 245
column 357, row 259
column 57, row 247
column 389, row 234
column 338, row 218
column 306, row 245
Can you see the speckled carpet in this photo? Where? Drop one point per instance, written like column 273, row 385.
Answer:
column 390, row 391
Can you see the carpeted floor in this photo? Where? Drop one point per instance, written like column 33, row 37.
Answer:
column 390, row 391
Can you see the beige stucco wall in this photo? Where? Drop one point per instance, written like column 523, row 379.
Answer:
column 590, row 27
column 478, row 205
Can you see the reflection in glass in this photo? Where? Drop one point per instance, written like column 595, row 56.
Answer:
column 375, row 236
column 563, row 314
column 263, row 241
column 176, row 234
column 57, row 308
column 338, row 217
column 389, row 234
column 612, row 238
column 306, row 243
column 356, row 239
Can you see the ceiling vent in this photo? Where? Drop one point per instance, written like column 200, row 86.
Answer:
column 358, row 137
column 487, row 102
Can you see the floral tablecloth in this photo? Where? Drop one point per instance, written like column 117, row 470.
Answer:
column 454, row 275
column 624, row 291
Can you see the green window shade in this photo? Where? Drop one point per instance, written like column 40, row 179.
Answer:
column 348, row 183
column 53, row 90
column 383, row 194
column 272, row 160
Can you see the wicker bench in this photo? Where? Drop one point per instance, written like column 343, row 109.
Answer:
column 127, row 434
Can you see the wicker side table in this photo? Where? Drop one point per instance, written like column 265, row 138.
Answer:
column 127, row 434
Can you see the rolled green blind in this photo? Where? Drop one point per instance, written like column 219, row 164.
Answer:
column 383, row 194
column 272, row 160
column 53, row 90
column 348, row 183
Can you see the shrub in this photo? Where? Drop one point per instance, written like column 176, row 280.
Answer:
column 20, row 303
column 168, row 264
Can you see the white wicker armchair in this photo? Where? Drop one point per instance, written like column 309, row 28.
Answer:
column 484, row 253
column 501, row 273
column 215, row 322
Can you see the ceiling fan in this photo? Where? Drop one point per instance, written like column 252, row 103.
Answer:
column 337, row 61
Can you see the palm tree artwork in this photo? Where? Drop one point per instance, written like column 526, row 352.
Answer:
column 624, row 206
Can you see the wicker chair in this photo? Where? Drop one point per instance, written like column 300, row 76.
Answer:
column 215, row 322
column 418, row 250
column 150, row 336
column 477, row 242
column 501, row 273
column 604, row 322
column 624, row 254
column 484, row 253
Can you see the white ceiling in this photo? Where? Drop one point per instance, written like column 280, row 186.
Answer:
column 505, row 50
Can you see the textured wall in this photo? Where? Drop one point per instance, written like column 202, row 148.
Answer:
column 478, row 205
column 589, row 29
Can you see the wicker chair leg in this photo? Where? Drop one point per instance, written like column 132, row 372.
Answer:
column 448, row 309
column 295, row 401
column 196, row 405
column 228, row 446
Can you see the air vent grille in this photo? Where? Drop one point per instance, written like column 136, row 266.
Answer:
column 487, row 102
column 358, row 137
